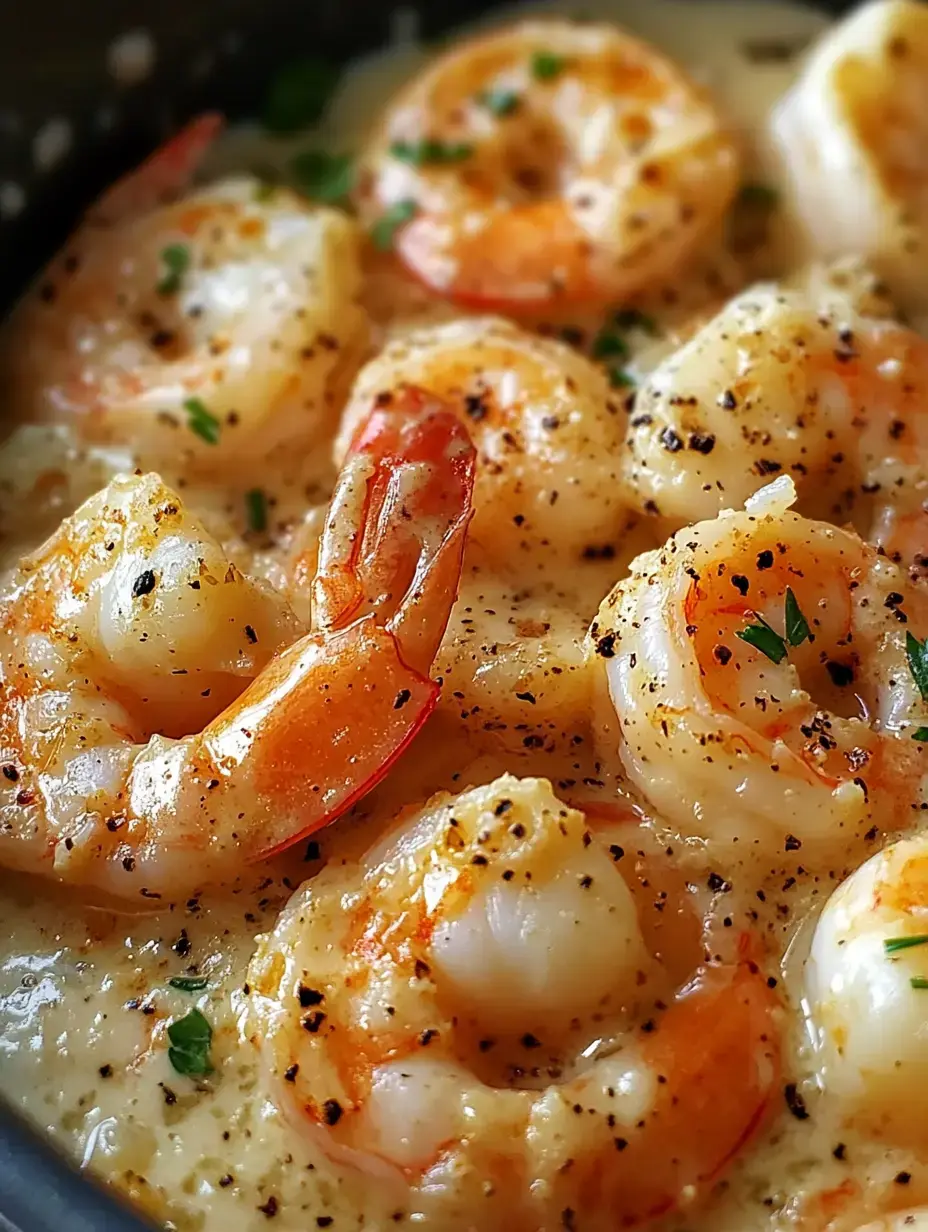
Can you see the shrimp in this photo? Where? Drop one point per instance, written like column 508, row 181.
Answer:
column 129, row 630
column 866, row 980
column 204, row 333
column 482, row 1015
column 547, row 427
column 852, row 134
column 758, row 666
column 549, row 162
column 787, row 381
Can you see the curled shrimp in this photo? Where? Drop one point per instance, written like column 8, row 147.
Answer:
column 482, row 1015
column 549, row 162
column 546, row 425
column 852, row 134
column 129, row 630
column 793, row 382
column 202, row 331
column 758, row 667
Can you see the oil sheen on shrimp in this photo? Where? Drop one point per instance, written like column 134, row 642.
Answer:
column 790, row 381
column 135, row 759
column 549, row 162
column 488, row 1017
column 852, row 134
column 758, row 667
column 201, row 333
column 546, row 425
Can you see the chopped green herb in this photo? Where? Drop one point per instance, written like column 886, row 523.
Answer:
column 619, row 378
column 546, row 65
column 892, row 945
column 176, row 261
column 609, row 345
column 298, row 95
column 920, row 733
column 202, row 421
column 500, row 102
column 427, row 151
column 918, row 981
column 797, row 627
column 188, row 983
column 764, row 639
column 631, row 318
column 256, row 505
column 385, row 228
column 325, row 177
column 759, row 195
column 917, row 654
column 190, row 1038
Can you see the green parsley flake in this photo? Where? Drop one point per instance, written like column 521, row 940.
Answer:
column 190, row 1038
column 797, row 627
column 429, row 152
column 256, row 506
column 892, row 945
column 546, row 65
column 764, row 639
column 500, row 102
column 917, row 654
column 176, row 261
column 761, row 196
column 918, row 981
column 920, row 733
column 385, row 228
column 188, row 983
column 619, row 378
column 202, row 421
column 609, row 345
column 298, row 95
column 322, row 176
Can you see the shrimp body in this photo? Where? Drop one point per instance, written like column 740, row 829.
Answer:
column 546, row 426
column 787, row 381
column 852, row 134
column 164, row 720
column 550, row 162
column 202, row 333
column 468, row 1014
column 795, row 738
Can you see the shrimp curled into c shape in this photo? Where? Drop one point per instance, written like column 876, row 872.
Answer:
column 110, row 631
column 550, row 162
column 475, row 1015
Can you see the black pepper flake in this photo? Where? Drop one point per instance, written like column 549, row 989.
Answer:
column 795, row 1102
column 717, row 883
column 792, row 843
column 503, row 806
column 11, row 773
column 250, row 634
column 324, row 1221
column 313, row 851
column 106, row 1071
column 902, row 1178
column 740, row 583
column 426, row 1036
column 169, row 1097
column 671, row 441
column 309, row 996
column 269, row 1208
column 721, row 654
column 332, row 1112
column 526, row 697
column 291, row 1072
column 312, row 1022
column 616, row 851
column 727, row 400
column 765, row 559
column 605, row 647
column 476, row 407
column 530, row 1041
column 401, row 699
column 144, row 584
column 842, row 674
column 702, row 442
column 226, row 1181
column 840, row 1152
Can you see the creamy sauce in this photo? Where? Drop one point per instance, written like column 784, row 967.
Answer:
column 85, row 997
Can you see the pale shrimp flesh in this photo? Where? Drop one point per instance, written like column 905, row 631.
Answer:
column 488, row 1017
column 761, row 667
column 549, row 162
column 203, row 332
column 134, row 758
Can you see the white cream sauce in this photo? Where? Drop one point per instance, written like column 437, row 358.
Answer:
column 84, row 993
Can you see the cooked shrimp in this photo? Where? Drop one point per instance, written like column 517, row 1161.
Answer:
column 129, row 625
column 866, row 982
column 202, row 333
column 481, row 1014
column 792, row 382
column 547, row 428
column 758, row 667
column 549, row 162
column 852, row 133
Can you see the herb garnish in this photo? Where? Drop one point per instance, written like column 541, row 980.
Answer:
column 385, row 228
column 176, row 261
column 764, row 639
column 797, row 627
column 256, row 506
column 892, row 945
column 202, row 421
column 916, row 653
column 609, row 345
column 188, row 983
column 190, row 1038
column 920, row 733
column 298, row 95
column 546, row 65
column 429, row 151
column 918, row 981
column 325, row 177
column 499, row 102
